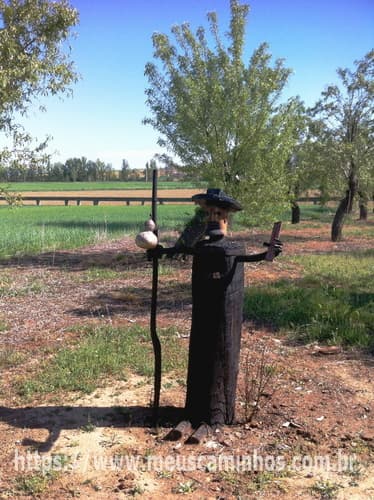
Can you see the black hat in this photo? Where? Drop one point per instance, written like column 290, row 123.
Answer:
column 218, row 198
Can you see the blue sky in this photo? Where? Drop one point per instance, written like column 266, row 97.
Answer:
column 113, row 44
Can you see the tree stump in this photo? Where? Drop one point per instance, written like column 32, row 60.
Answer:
column 217, row 310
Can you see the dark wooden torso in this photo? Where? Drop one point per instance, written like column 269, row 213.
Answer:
column 217, row 298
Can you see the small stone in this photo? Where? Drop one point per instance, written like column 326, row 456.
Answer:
column 211, row 444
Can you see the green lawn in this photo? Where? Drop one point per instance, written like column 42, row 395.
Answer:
column 333, row 301
column 31, row 230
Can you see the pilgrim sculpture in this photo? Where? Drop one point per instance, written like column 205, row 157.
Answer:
column 217, row 311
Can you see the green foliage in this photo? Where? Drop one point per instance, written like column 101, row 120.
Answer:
column 340, row 144
column 185, row 488
column 333, row 302
column 223, row 119
column 32, row 484
column 34, row 62
column 103, row 352
column 316, row 212
column 31, row 56
column 325, row 489
column 342, row 131
column 13, row 199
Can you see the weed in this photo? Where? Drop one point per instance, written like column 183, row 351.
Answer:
column 10, row 358
column 167, row 385
column 13, row 199
column 185, row 488
column 32, row 286
column 262, row 479
column 355, row 472
column 237, row 482
column 325, row 489
column 60, row 461
column 113, row 440
column 34, row 484
column 258, row 382
column 135, row 490
column 359, row 447
column 89, row 426
column 165, row 474
column 165, row 269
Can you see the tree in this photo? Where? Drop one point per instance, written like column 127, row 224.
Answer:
column 22, row 155
column 220, row 117
column 342, row 134
column 152, row 165
column 170, row 168
column 125, row 170
column 34, row 59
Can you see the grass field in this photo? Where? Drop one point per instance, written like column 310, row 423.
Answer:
column 94, row 186
column 28, row 230
column 31, row 230
column 332, row 302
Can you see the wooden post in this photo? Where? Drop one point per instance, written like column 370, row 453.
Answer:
column 217, row 298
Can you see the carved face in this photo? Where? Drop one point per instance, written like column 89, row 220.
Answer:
column 217, row 219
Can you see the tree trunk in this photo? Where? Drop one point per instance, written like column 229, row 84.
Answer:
column 363, row 211
column 363, row 206
column 295, row 213
column 338, row 222
column 344, row 207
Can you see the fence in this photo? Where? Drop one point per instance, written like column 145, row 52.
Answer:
column 126, row 200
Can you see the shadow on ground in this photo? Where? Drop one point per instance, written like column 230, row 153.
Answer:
column 80, row 260
column 55, row 419
column 137, row 300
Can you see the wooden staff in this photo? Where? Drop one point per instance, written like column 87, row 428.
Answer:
column 153, row 323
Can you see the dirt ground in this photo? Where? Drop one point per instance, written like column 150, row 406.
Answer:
column 312, row 436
